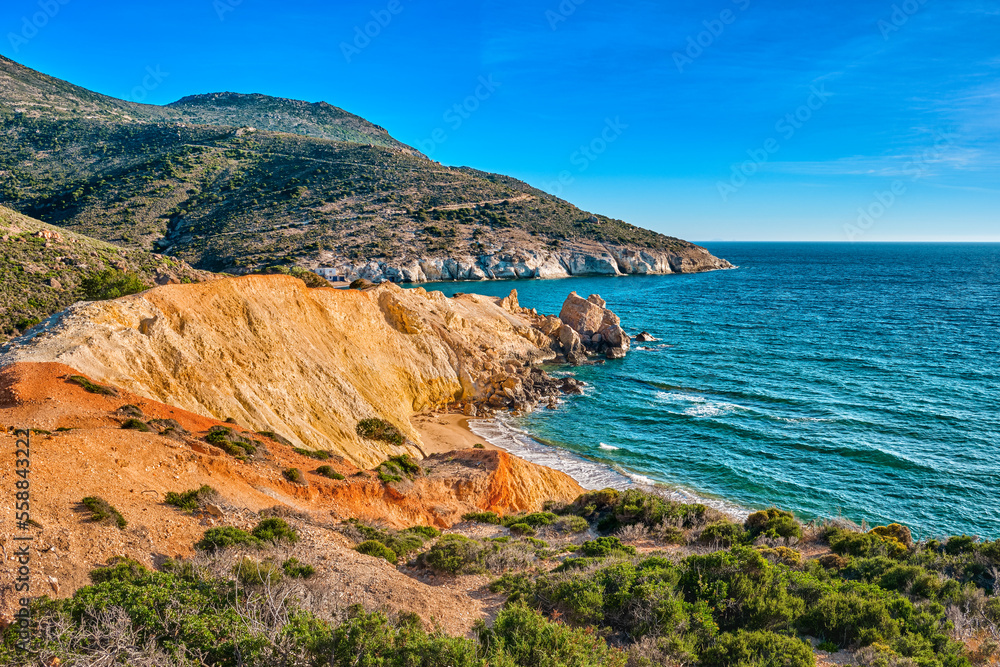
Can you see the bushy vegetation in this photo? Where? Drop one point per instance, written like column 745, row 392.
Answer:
column 457, row 554
column 101, row 511
column 736, row 607
column 269, row 530
column 294, row 475
column 379, row 429
column 398, row 544
column 232, row 442
column 192, row 499
column 111, row 284
column 482, row 517
column 252, row 572
column 132, row 615
column 92, row 387
column 132, row 424
column 317, row 454
column 225, row 537
column 329, row 472
column 296, row 569
column 274, row 529
column 397, row 468
column 752, row 603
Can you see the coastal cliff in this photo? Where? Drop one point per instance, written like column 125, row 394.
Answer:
column 274, row 355
column 523, row 259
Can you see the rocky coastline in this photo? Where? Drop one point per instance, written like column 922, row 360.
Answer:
column 519, row 261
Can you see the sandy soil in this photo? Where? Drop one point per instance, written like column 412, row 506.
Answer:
column 445, row 433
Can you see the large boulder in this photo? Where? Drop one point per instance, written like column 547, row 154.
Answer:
column 599, row 329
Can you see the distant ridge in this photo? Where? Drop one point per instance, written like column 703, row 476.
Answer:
column 236, row 182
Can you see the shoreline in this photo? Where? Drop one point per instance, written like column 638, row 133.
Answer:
column 446, row 432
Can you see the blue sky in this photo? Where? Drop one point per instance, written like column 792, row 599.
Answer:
column 709, row 120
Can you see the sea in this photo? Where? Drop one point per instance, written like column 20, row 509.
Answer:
column 855, row 380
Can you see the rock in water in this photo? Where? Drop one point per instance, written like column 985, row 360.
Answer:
column 645, row 337
column 599, row 329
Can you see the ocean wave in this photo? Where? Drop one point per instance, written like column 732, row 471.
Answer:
column 607, row 447
column 699, row 406
column 591, row 475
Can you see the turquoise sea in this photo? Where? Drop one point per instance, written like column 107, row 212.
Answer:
column 830, row 379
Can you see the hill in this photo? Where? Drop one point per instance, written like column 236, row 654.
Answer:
column 233, row 182
column 43, row 269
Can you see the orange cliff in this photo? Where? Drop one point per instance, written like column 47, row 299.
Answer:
column 80, row 449
column 306, row 363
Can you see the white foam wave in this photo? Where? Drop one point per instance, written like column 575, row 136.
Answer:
column 698, row 406
column 607, row 447
column 588, row 474
column 501, row 433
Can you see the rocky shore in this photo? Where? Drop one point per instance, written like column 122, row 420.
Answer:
column 526, row 261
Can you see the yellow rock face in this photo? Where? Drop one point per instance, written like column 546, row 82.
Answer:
column 305, row 363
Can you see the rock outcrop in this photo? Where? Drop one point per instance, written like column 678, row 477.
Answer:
column 589, row 325
column 519, row 261
column 307, row 363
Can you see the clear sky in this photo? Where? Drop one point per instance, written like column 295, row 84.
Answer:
column 709, row 120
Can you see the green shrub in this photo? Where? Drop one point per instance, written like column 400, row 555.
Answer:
column 524, row 638
column 572, row 524
column 401, row 543
column 960, row 544
column 611, row 510
column 136, row 425
column 121, row 570
column 722, row 532
column 453, row 554
column 297, row 569
column 230, row 441
column 603, row 547
column 521, row 529
column 223, row 537
column 427, row 532
column 377, row 549
column 865, row 545
column 483, row 517
column 191, row 500
column 92, row 387
column 396, row 468
column 328, row 471
column 773, row 523
column 783, row 555
column 294, row 475
column 479, row 445
column 274, row 529
column 379, row 429
column 111, row 284
column 535, row 519
column 849, row 618
column 757, row 649
column 101, row 511
column 319, row 455
column 256, row 573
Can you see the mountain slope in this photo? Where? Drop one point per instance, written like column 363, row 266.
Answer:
column 236, row 198
column 37, row 95
column 41, row 269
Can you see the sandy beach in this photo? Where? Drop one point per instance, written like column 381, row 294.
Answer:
column 445, row 433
